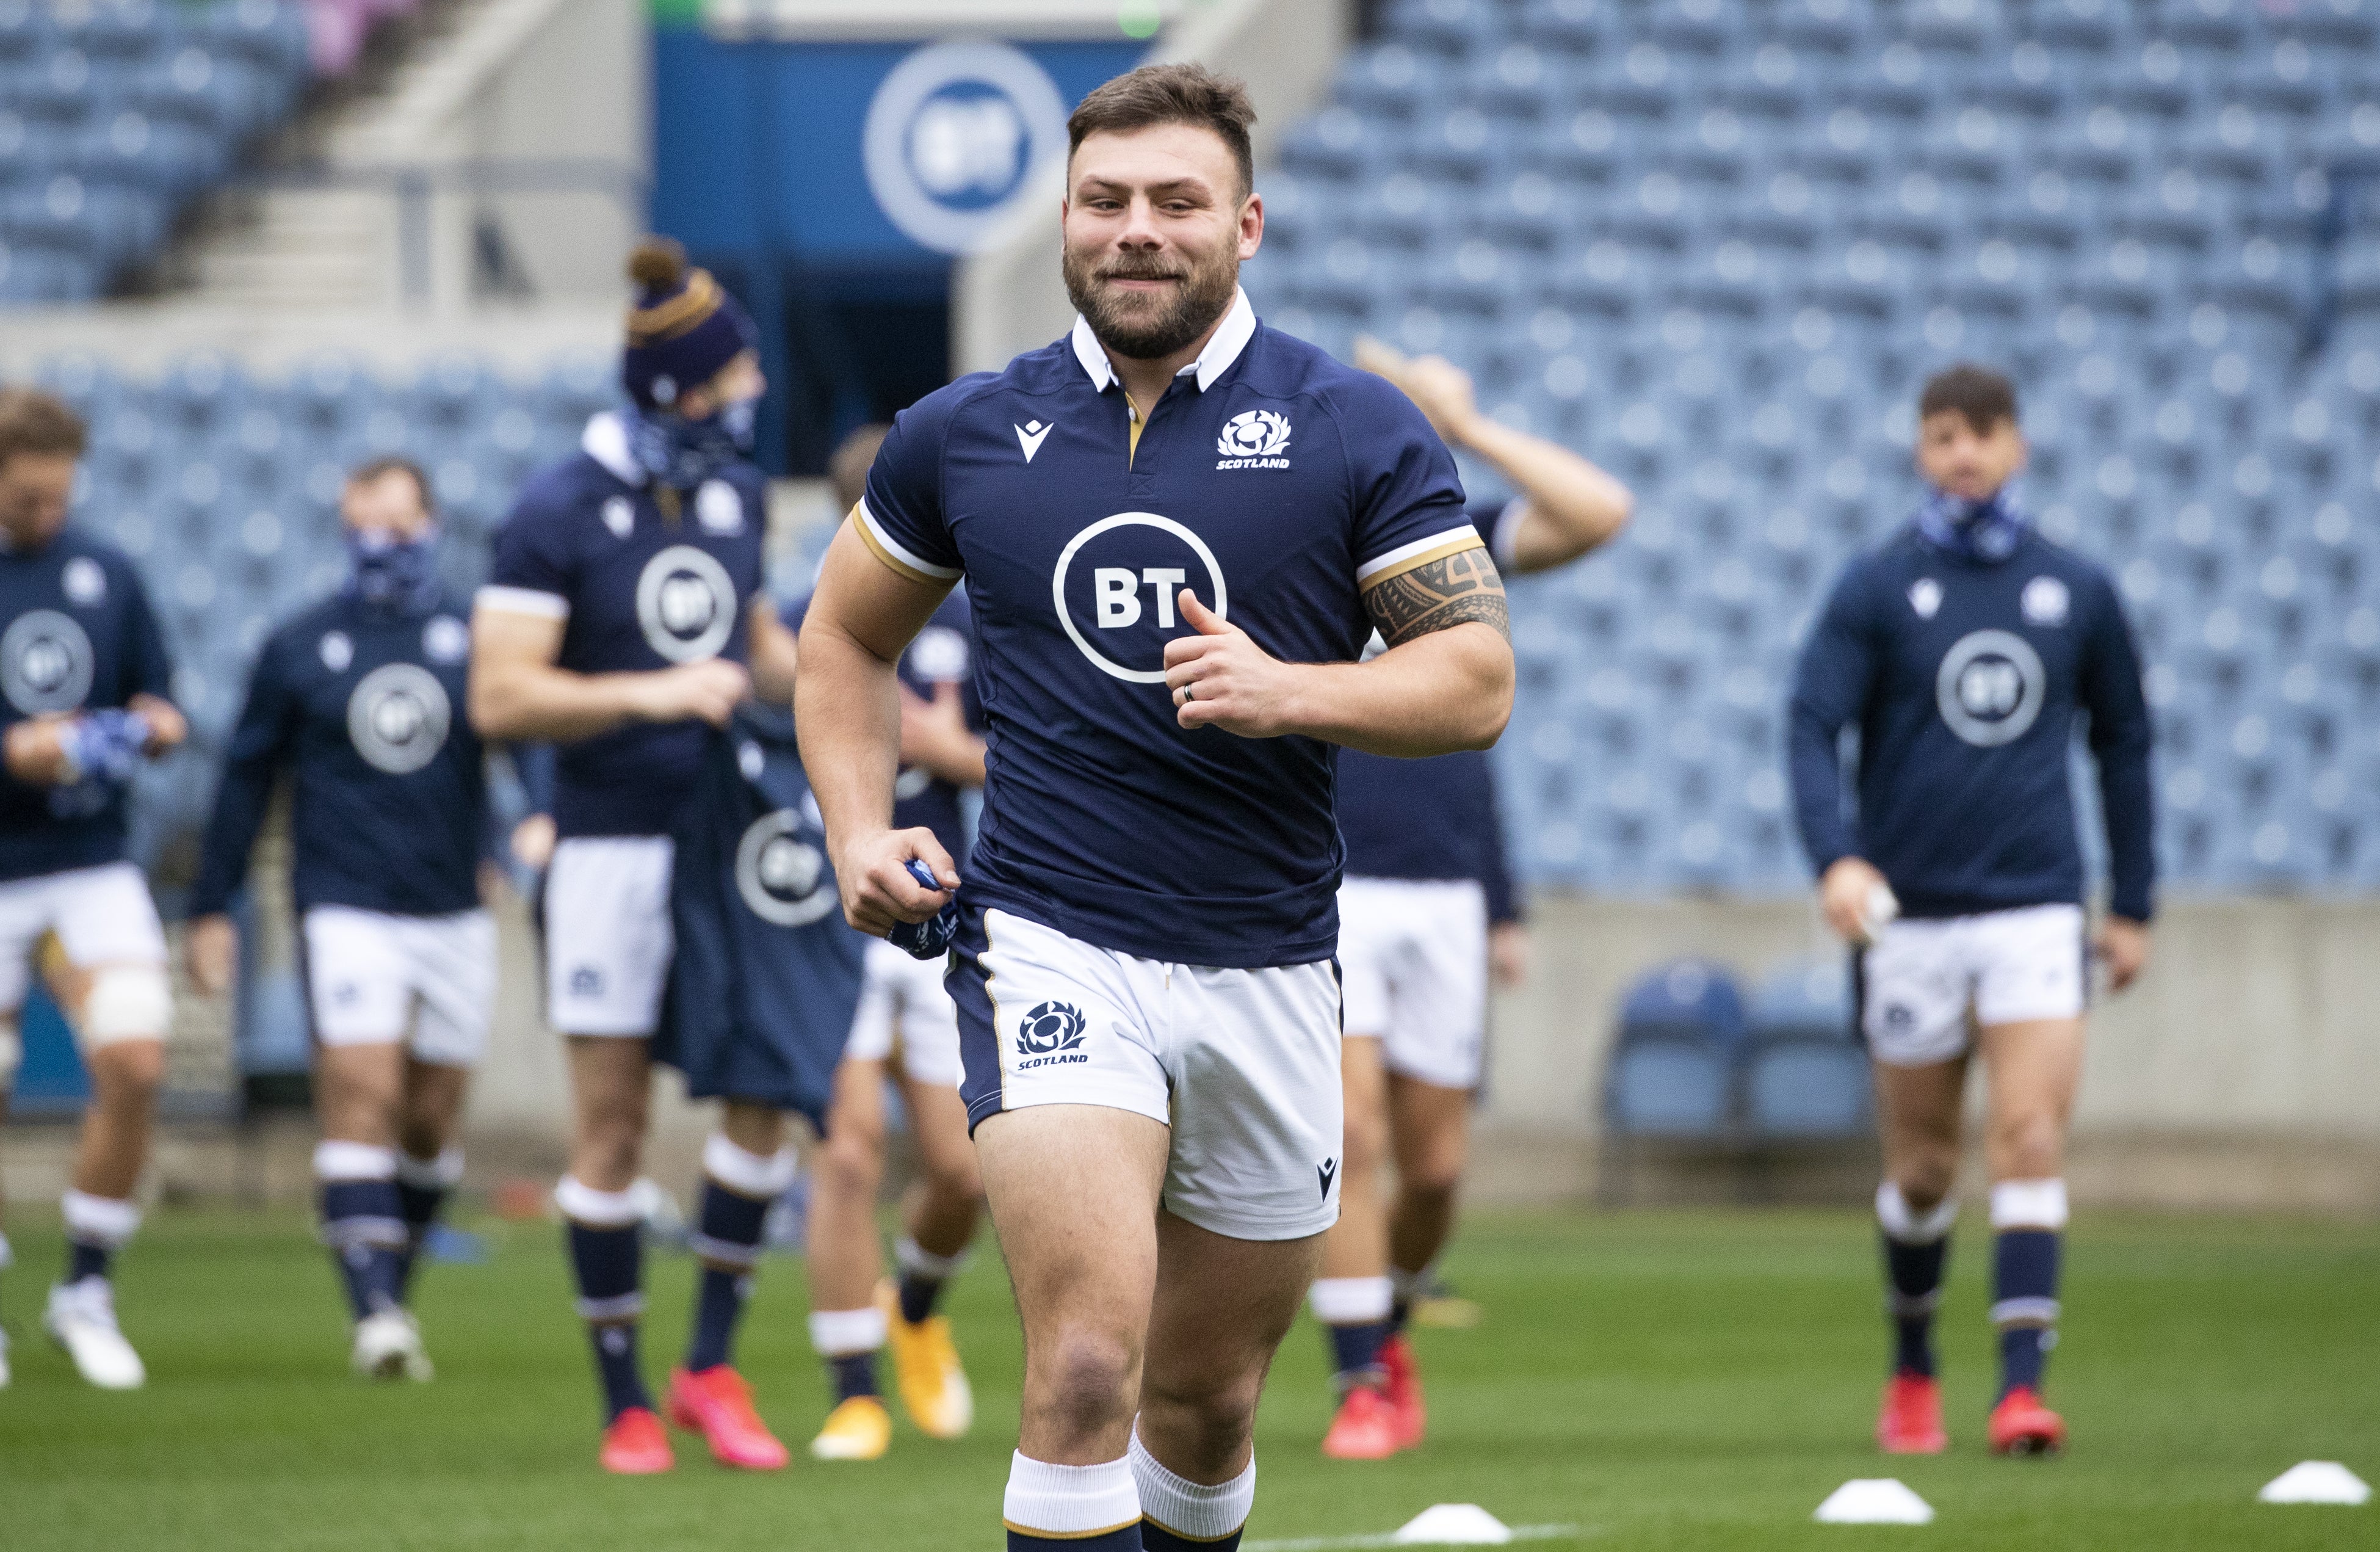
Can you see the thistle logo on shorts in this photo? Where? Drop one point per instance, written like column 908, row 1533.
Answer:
column 398, row 716
column 587, row 982
column 1048, row 1035
column 1254, row 439
column 782, row 873
column 686, row 604
column 45, row 663
column 1990, row 688
column 1134, row 566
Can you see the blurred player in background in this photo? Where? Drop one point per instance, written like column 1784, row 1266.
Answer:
column 360, row 698
column 907, row 1028
column 1147, row 1007
column 85, row 681
column 623, row 608
column 1964, row 650
column 1428, row 905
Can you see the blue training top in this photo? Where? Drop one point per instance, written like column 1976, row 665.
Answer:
column 1965, row 679
column 943, row 653
column 75, row 634
column 389, row 812
column 1435, row 818
column 1274, row 482
column 586, row 543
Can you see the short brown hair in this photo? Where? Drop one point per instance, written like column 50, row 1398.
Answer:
column 34, row 421
column 1171, row 95
column 853, row 457
column 1983, row 395
column 390, row 463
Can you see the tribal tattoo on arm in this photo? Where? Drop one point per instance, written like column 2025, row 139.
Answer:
column 1464, row 586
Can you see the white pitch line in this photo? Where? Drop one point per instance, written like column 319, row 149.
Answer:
column 1354, row 1544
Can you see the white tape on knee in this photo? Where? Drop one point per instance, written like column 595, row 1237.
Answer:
column 97, row 1220
column 12, row 1054
column 764, row 1175
column 2029, row 1204
column 334, row 1160
column 128, row 1002
column 1905, row 1225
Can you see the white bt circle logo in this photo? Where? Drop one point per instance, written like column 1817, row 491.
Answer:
column 1990, row 688
column 1131, row 607
column 955, row 136
column 45, row 663
column 398, row 716
column 781, row 870
column 686, row 604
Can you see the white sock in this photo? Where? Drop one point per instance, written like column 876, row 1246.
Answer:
column 1349, row 1301
column 1190, row 1510
column 1069, row 1503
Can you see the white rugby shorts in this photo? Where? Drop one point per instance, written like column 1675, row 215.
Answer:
column 101, row 916
column 1921, row 977
column 1241, row 1064
column 608, row 939
column 903, row 1007
column 373, row 977
column 1413, row 953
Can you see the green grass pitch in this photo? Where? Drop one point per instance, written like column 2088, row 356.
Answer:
column 1658, row 1380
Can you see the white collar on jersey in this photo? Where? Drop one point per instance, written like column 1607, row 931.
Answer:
column 1223, row 347
column 606, row 441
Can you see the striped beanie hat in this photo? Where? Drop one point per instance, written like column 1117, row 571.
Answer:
column 683, row 327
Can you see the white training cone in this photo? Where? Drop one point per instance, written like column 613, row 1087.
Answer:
column 1453, row 1526
column 2316, row 1481
column 1874, row 1500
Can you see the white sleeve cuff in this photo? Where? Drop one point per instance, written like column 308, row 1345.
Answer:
column 522, row 601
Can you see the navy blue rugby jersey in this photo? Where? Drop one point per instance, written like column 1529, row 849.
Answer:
column 1965, row 679
column 943, row 653
column 766, row 977
column 1435, row 818
column 365, row 707
column 75, row 634
column 1273, row 483
column 587, row 544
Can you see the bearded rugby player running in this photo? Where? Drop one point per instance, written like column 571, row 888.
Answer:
column 1177, row 529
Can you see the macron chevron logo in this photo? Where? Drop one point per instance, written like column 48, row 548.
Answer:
column 1325, row 1170
column 1030, row 436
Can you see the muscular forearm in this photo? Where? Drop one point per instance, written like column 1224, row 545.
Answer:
column 847, row 712
column 1450, row 689
column 1572, row 505
column 542, row 705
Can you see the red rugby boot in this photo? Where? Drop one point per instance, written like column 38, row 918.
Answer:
column 2021, row 1425
column 717, row 1404
column 1365, row 1429
column 1910, row 1422
column 635, row 1445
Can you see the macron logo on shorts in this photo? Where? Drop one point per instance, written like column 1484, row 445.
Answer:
column 1328, row 1171
column 1048, row 1035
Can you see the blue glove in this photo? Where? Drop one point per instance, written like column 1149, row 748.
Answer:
column 104, row 748
column 930, row 940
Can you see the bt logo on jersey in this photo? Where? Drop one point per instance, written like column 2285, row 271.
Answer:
column 1990, row 688
column 1133, row 568
column 686, row 604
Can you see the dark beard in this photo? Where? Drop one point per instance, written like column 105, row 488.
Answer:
column 1203, row 297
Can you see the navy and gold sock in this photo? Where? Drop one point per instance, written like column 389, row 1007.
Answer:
column 1179, row 1515
column 2028, row 1225
column 361, row 1221
column 1070, row 1508
column 1916, row 1252
column 604, row 1233
column 1355, row 1311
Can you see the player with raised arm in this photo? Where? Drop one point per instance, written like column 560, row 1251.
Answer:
column 621, row 610
column 84, row 682
column 360, row 698
column 906, row 1029
column 1964, row 650
column 1177, row 528
column 1427, row 906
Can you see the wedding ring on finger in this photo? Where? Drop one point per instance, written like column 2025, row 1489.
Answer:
column 1187, row 694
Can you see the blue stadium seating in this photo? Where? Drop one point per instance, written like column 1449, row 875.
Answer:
column 114, row 116
column 1716, row 243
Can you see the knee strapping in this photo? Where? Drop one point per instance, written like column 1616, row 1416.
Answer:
column 128, row 1002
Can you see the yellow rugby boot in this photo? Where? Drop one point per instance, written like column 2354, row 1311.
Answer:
column 859, row 1429
column 926, row 1369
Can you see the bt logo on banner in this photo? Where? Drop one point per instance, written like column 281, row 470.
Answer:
column 956, row 135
